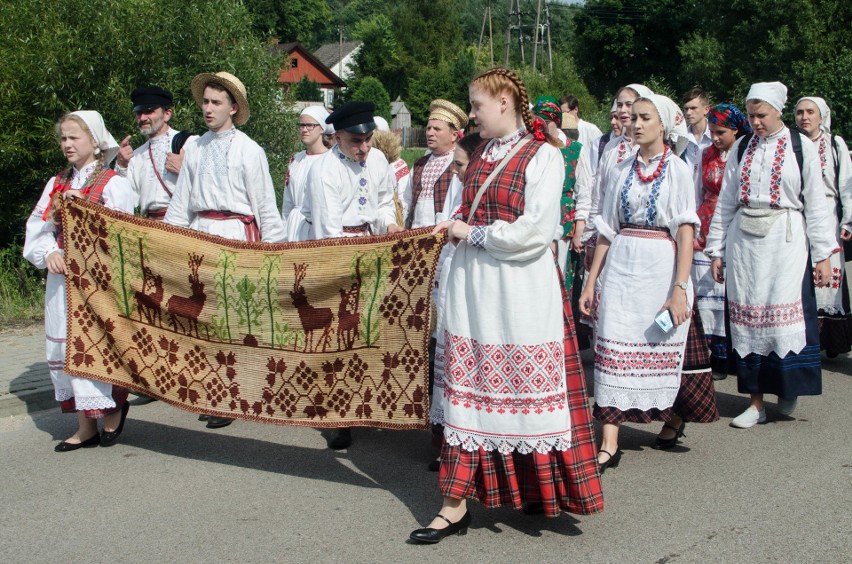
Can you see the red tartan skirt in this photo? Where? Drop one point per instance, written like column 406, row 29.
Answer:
column 119, row 396
column 696, row 397
column 561, row 480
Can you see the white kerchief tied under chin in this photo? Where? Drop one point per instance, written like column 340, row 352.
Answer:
column 104, row 139
column 319, row 114
column 674, row 124
column 824, row 111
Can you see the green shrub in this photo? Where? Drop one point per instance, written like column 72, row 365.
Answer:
column 21, row 287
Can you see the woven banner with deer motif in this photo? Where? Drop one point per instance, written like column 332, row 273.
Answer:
column 325, row 334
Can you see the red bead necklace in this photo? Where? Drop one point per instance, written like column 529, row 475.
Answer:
column 656, row 173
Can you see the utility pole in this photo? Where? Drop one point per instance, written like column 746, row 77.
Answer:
column 481, row 34
column 340, row 52
column 521, row 33
column 509, row 32
column 535, row 34
column 490, row 35
column 549, row 50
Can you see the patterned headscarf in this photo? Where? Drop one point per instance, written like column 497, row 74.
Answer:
column 547, row 108
column 730, row 116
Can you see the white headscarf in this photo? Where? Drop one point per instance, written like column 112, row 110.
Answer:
column 319, row 114
column 773, row 93
column 640, row 89
column 104, row 139
column 381, row 123
column 674, row 124
column 824, row 111
column 614, row 107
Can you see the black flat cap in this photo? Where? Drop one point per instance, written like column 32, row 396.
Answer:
column 146, row 98
column 354, row 117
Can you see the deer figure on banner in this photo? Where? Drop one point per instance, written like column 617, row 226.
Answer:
column 190, row 307
column 349, row 320
column 311, row 318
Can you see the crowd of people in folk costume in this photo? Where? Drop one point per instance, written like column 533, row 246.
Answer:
column 694, row 242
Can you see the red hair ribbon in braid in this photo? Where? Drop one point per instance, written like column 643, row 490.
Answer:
column 538, row 129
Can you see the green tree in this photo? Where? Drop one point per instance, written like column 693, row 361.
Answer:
column 380, row 56
column 371, row 90
column 448, row 79
column 306, row 90
column 305, row 21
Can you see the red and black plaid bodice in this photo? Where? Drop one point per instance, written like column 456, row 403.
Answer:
column 504, row 198
column 93, row 193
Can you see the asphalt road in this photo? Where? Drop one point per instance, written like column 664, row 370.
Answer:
column 173, row 491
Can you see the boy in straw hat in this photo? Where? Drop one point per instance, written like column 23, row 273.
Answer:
column 425, row 194
column 225, row 188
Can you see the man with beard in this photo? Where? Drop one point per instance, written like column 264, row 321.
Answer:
column 152, row 169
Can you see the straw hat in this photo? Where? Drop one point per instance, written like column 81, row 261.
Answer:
column 230, row 83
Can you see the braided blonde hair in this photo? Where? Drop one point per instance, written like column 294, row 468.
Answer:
column 497, row 80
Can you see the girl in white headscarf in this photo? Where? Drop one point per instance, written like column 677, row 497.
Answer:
column 813, row 116
column 643, row 257
column 89, row 148
column 769, row 218
column 312, row 127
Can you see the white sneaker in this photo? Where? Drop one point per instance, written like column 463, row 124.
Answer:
column 787, row 406
column 749, row 418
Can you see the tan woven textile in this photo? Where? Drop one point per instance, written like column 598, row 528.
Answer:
column 324, row 334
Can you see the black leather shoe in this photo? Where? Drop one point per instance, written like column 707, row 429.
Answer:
column 218, row 422
column 108, row 438
column 340, row 439
column 203, row 417
column 666, row 444
column 431, row 536
column 533, row 508
column 612, row 461
column 142, row 399
column 88, row 443
column 435, row 465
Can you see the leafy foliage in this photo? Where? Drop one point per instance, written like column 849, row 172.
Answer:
column 53, row 64
column 371, row 90
column 306, row 90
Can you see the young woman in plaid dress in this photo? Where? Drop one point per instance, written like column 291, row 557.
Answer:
column 643, row 372
column 517, row 427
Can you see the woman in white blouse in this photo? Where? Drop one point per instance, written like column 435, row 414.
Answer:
column 771, row 221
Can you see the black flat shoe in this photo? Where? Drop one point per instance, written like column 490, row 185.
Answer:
column 340, row 439
column 218, row 422
column 203, row 417
column 433, row 536
column 666, row 444
column 435, row 465
column 533, row 508
column 88, row 443
column 612, row 461
column 108, row 438
column 717, row 376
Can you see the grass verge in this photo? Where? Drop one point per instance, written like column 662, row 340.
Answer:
column 21, row 288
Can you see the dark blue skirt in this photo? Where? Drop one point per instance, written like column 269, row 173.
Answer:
column 797, row 374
